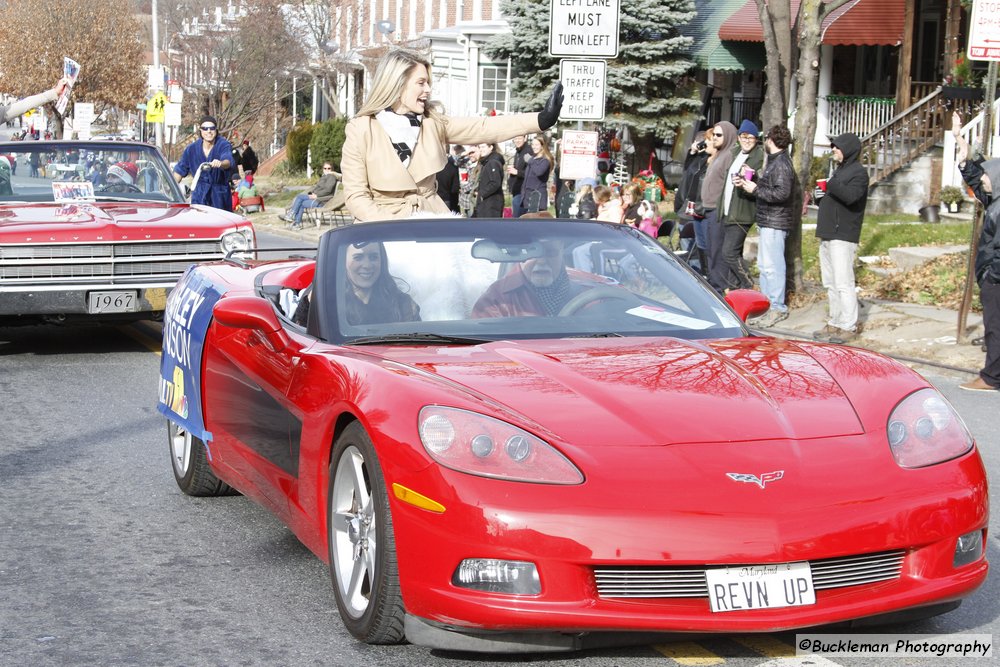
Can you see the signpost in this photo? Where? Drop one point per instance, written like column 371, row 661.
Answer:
column 587, row 28
column 983, row 44
column 583, row 86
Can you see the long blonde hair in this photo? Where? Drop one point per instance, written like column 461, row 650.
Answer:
column 390, row 77
column 546, row 153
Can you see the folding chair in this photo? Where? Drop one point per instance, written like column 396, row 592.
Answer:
column 333, row 212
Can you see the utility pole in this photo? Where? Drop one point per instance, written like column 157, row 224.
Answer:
column 156, row 68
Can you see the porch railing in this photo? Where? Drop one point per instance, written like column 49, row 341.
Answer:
column 739, row 108
column 858, row 114
column 903, row 137
column 973, row 131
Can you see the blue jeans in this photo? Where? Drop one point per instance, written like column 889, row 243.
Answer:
column 300, row 204
column 515, row 205
column 771, row 263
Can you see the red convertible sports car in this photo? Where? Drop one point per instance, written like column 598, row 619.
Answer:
column 544, row 434
column 98, row 231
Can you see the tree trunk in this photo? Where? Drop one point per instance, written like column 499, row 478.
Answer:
column 56, row 122
column 775, row 19
column 807, row 77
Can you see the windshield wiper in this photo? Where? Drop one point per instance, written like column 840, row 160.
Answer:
column 604, row 334
column 416, row 337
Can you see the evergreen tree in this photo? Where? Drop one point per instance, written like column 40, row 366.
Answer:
column 648, row 87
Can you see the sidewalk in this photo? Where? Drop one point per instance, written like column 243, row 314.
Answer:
column 903, row 330
column 909, row 332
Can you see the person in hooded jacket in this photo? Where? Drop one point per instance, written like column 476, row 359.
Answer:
column 687, row 203
column 981, row 178
column 838, row 228
column 712, row 186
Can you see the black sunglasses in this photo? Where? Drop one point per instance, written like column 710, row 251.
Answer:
column 208, row 128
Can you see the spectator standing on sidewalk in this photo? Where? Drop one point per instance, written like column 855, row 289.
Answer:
column 248, row 157
column 712, row 186
column 838, row 228
column 449, row 184
column 981, row 178
column 538, row 166
column 737, row 210
column 515, row 179
column 774, row 189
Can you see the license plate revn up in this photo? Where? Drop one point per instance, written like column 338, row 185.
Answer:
column 745, row 587
column 112, row 302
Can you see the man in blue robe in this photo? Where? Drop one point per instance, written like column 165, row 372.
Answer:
column 212, row 187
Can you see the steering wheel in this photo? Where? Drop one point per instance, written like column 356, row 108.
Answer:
column 595, row 294
column 120, row 187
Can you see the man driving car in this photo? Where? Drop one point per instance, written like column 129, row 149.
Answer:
column 534, row 287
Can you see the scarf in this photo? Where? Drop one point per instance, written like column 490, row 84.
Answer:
column 403, row 130
column 555, row 296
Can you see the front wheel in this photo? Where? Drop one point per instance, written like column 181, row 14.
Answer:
column 189, row 461
column 361, row 542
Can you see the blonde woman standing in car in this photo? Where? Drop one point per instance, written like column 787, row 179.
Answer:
column 398, row 141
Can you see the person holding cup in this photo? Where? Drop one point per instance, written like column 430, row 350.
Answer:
column 737, row 210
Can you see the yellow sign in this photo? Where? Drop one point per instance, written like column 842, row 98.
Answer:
column 156, row 108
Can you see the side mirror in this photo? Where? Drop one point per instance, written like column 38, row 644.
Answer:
column 251, row 312
column 748, row 303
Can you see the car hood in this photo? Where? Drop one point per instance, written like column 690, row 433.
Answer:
column 643, row 391
column 105, row 221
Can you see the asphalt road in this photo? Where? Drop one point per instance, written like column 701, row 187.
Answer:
column 103, row 561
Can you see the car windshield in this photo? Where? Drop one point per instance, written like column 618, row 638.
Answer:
column 61, row 171
column 470, row 280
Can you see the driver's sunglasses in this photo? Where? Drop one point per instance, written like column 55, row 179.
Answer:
column 208, row 128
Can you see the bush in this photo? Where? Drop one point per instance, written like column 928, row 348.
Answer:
column 327, row 143
column 298, row 145
column 951, row 194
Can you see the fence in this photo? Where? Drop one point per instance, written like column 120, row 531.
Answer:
column 858, row 114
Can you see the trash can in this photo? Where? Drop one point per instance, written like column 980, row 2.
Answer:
column 930, row 213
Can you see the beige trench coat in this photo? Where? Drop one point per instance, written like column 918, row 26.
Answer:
column 376, row 184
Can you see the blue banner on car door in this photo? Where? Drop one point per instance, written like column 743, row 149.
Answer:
column 185, row 324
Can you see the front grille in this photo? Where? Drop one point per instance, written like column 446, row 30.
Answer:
column 105, row 262
column 689, row 582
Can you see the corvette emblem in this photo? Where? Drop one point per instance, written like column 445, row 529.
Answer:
column 754, row 479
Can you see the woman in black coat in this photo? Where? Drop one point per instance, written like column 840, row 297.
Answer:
column 489, row 198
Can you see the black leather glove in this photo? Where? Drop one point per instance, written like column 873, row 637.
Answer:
column 549, row 114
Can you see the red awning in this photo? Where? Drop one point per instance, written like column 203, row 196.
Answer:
column 869, row 22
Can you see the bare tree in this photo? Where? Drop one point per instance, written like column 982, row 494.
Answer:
column 104, row 37
column 783, row 49
column 237, row 60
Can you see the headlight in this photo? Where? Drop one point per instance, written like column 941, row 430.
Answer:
column 924, row 429
column 480, row 445
column 238, row 240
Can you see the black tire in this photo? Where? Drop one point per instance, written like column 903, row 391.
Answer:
column 189, row 462
column 361, row 542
